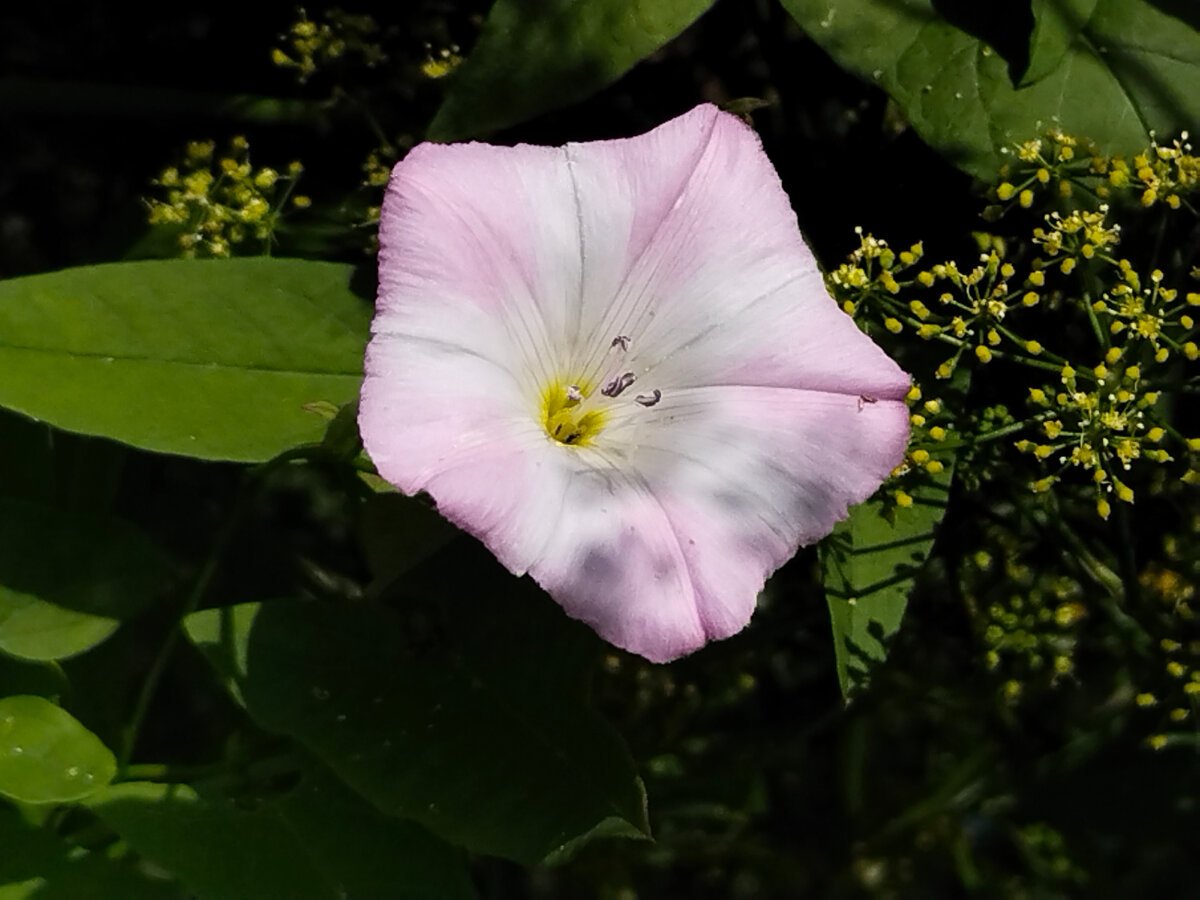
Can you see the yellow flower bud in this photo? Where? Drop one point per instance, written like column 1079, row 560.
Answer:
column 1005, row 191
column 983, row 353
column 1025, row 198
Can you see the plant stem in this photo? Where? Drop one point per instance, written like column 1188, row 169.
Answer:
column 249, row 491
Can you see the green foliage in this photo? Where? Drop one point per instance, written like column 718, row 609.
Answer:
column 432, row 699
column 1056, row 26
column 36, row 864
column 46, row 756
column 537, row 55
column 868, row 566
column 366, row 704
column 215, row 360
column 66, row 578
column 18, row 676
column 314, row 841
column 1130, row 70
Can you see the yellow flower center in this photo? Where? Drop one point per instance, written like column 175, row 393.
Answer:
column 565, row 415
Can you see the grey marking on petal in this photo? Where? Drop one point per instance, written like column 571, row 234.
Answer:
column 615, row 387
column 601, row 566
column 621, row 341
column 649, row 399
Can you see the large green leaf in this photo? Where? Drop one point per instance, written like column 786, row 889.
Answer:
column 317, row 841
column 536, row 55
column 1129, row 70
column 45, row 679
column 868, row 565
column 46, row 756
column 469, row 716
column 36, row 864
column 66, row 578
column 399, row 532
column 1056, row 26
column 215, row 359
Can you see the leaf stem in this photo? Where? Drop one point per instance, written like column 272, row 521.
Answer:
column 248, row 493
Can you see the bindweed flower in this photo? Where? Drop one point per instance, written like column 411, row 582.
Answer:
column 616, row 364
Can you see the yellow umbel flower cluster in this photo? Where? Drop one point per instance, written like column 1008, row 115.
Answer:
column 1166, row 174
column 219, row 202
column 310, row 46
column 1024, row 302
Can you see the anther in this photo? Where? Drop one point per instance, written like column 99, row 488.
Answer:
column 618, row 384
column 621, row 341
column 649, row 399
column 574, row 394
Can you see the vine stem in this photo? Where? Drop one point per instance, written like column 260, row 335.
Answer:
column 249, row 491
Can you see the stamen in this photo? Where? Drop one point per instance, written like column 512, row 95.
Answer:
column 618, row 384
column 621, row 341
column 649, row 399
column 574, row 394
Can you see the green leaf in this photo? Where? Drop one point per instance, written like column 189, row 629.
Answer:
column 213, row 359
column 36, row 864
column 1130, row 69
column 223, row 636
column 399, row 532
column 317, row 841
column 66, row 578
column 868, row 565
column 21, row 677
column 46, row 756
column 26, row 458
column 538, row 55
column 468, row 716
column 1056, row 26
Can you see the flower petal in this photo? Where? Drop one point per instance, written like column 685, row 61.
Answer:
column 748, row 474
column 439, row 420
column 471, row 233
column 614, row 561
column 691, row 249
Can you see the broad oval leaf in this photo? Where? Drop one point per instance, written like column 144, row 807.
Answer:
column 1056, row 26
column 215, row 359
column 868, row 565
column 46, row 756
column 37, row 864
column 17, row 676
column 489, row 744
column 537, row 55
column 67, row 578
column 1131, row 69
column 319, row 841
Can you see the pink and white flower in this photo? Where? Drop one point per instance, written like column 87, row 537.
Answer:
column 616, row 364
